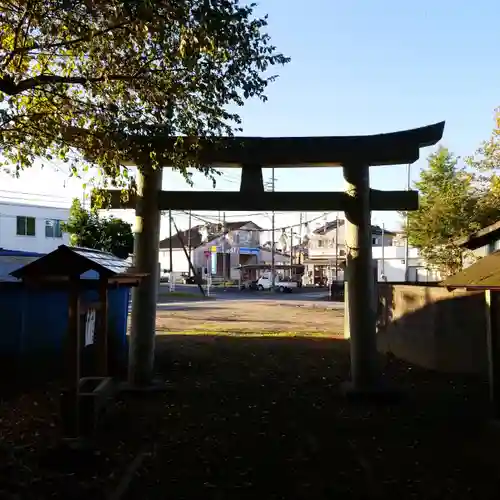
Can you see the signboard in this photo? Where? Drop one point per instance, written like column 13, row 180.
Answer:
column 249, row 251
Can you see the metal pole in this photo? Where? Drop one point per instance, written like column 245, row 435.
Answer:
column 189, row 239
column 223, row 250
column 336, row 247
column 272, row 237
column 170, row 240
column 407, row 246
column 383, row 250
column 291, row 250
column 300, row 240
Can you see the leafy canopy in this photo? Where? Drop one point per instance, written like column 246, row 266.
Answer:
column 455, row 200
column 88, row 230
column 119, row 67
column 446, row 211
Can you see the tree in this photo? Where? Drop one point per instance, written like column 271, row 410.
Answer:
column 486, row 165
column 448, row 210
column 90, row 73
column 88, row 230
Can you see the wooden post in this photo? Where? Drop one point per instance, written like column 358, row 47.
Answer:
column 493, row 342
column 360, row 320
column 102, row 330
column 71, row 403
column 73, row 356
column 144, row 297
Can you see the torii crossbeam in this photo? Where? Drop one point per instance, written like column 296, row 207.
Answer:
column 354, row 154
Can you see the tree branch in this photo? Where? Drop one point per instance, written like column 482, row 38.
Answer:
column 7, row 85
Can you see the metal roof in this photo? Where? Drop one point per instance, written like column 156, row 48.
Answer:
column 74, row 261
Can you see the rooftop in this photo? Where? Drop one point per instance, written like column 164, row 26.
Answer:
column 381, row 149
column 482, row 275
column 480, row 238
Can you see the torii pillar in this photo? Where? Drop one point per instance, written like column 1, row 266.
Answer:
column 359, row 293
column 144, row 296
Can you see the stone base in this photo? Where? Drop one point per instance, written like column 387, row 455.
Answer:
column 378, row 393
column 156, row 385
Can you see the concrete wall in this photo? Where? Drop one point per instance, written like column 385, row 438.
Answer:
column 433, row 328
column 39, row 242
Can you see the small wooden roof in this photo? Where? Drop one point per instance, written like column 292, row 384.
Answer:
column 71, row 262
column 482, row 275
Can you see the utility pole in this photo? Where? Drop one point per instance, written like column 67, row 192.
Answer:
column 224, row 250
column 291, row 250
column 272, row 237
column 170, row 240
column 300, row 240
column 383, row 250
column 189, row 239
column 337, row 247
column 407, row 246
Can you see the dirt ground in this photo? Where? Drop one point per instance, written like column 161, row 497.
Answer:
column 264, row 418
column 246, row 317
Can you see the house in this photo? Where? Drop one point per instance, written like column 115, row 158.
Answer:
column 479, row 244
column 32, row 228
column 326, row 250
column 216, row 251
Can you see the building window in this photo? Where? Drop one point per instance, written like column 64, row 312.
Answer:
column 53, row 228
column 341, row 253
column 25, row 226
column 374, row 241
column 320, row 243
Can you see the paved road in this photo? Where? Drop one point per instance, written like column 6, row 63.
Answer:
column 307, row 294
column 304, row 296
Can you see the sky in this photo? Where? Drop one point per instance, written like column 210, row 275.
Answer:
column 357, row 67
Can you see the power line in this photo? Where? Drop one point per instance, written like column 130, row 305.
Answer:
column 291, row 226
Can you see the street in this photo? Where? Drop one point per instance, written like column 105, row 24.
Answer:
column 232, row 293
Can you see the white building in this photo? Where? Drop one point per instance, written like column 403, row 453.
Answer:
column 391, row 265
column 32, row 228
column 216, row 252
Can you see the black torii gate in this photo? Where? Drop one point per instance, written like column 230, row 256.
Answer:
column 355, row 154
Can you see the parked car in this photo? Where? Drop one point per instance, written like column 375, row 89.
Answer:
column 280, row 284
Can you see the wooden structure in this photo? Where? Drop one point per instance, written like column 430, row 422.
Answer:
column 484, row 276
column 354, row 154
column 83, row 398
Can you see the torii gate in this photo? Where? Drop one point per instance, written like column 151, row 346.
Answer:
column 355, row 154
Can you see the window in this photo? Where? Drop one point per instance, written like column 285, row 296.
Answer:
column 53, row 228
column 25, row 226
column 374, row 241
column 320, row 243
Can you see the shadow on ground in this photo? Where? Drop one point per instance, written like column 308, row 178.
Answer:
column 264, row 418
